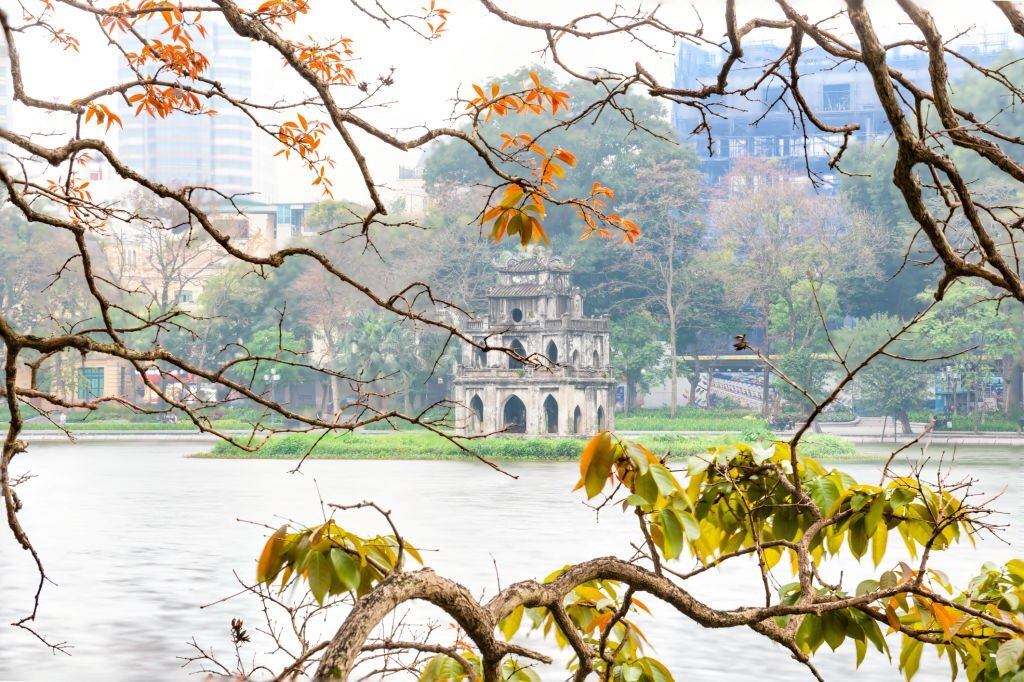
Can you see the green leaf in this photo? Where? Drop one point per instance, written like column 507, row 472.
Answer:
column 824, row 492
column 858, row 539
column 910, row 656
column 510, row 624
column 346, row 568
column 654, row 669
column 878, row 543
column 874, row 517
column 1008, row 655
column 833, row 629
column 646, row 487
column 888, row 579
column 663, row 478
column 320, row 575
column 900, row 497
column 690, row 525
column 697, row 464
column 672, row 529
column 866, row 586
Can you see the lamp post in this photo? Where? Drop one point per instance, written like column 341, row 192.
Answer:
column 272, row 377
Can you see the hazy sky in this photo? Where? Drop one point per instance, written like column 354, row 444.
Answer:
column 428, row 75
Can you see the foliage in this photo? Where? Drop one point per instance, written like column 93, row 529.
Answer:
column 638, row 351
column 332, row 560
column 418, row 445
column 894, row 384
column 770, row 504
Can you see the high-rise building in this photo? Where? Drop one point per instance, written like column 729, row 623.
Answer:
column 838, row 93
column 200, row 149
column 6, row 96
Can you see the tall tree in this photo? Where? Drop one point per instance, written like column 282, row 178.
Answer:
column 787, row 242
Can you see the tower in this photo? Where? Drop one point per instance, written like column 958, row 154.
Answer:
column 536, row 312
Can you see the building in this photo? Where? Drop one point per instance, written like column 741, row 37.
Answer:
column 537, row 313
column 839, row 94
column 199, row 149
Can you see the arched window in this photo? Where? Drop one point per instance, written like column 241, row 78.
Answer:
column 552, row 352
column 577, row 419
column 476, row 408
column 516, row 346
column 575, row 362
column 514, row 416
column 600, row 418
column 597, row 358
column 551, row 414
column 517, row 315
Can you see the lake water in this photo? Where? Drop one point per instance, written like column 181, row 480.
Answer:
column 137, row 537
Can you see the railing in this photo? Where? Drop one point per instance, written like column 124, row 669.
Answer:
column 531, row 372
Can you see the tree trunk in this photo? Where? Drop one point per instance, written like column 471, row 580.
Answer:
column 904, row 419
column 766, row 374
column 675, row 370
column 1014, row 385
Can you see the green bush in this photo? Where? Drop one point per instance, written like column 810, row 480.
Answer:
column 965, row 422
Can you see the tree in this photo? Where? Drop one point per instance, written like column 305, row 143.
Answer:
column 664, row 272
column 892, row 382
column 637, row 353
column 790, row 247
column 738, row 502
column 969, row 329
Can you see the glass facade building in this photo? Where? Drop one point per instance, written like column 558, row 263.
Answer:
column 839, row 93
column 200, row 149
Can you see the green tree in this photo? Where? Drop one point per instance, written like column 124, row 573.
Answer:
column 969, row 323
column 638, row 353
column 894, row 384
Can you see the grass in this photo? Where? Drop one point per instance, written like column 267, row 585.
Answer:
column 690, row 419
column 117, row 425
column 965, row 422
column 412, row 445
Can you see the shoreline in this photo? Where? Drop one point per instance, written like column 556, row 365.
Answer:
column 991, row 438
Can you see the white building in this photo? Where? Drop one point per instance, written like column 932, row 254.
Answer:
column 536, row 312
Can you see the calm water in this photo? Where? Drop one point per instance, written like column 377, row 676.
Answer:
column 138, row 537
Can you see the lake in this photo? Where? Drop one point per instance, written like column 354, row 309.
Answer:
column 137, row 537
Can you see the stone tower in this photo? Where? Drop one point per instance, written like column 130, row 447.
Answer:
column 536, row 311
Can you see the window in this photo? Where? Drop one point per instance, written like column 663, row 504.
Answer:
column 517, row 315
column 184, row 297
column 90, row 383
column 517, row 348
column 835, row 97
column 551, row 414
column 552, row 352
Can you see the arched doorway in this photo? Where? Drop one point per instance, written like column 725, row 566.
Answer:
column 551, row 414
column 476, row 418
column 517, row 347
column 577, row 419
column 600, row 418
column 552, row 352
column 514, row 416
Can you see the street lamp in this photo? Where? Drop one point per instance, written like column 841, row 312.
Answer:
column 272, row 377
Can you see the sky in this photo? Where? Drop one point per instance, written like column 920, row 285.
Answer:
column 428, row 75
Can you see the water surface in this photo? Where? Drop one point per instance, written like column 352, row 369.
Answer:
column 137, row 537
